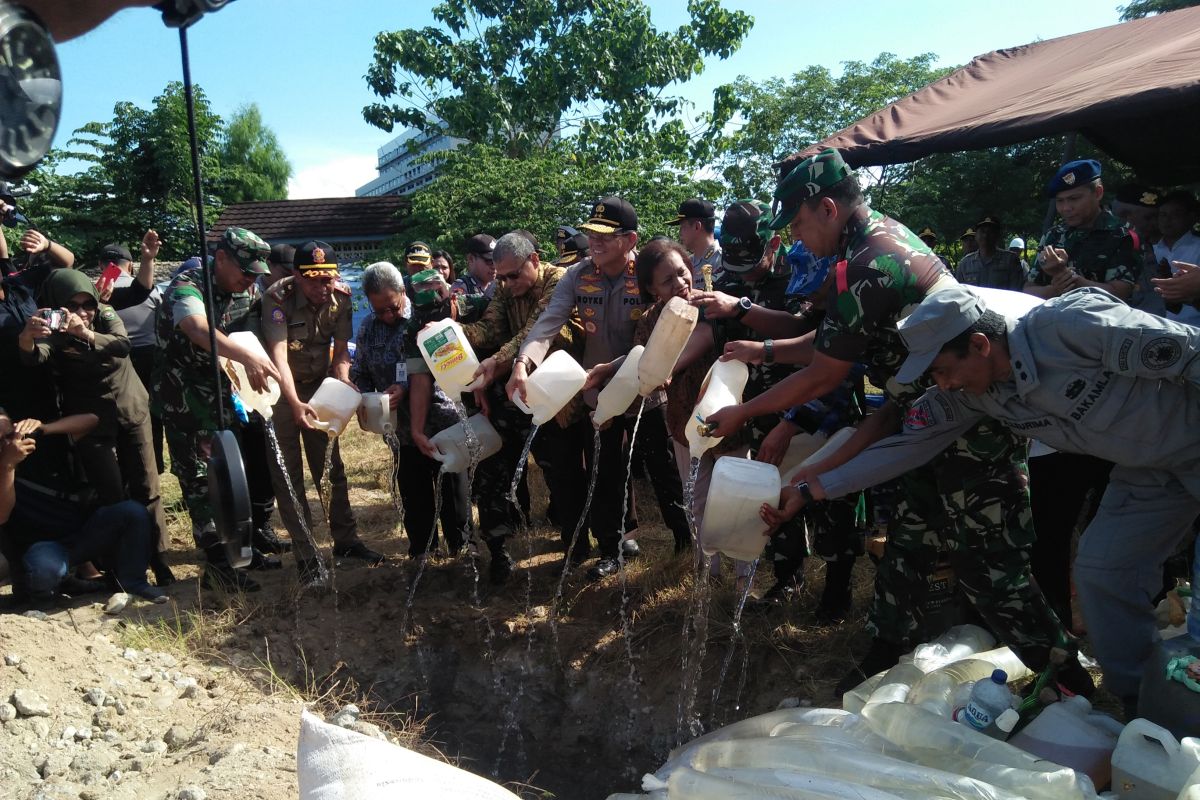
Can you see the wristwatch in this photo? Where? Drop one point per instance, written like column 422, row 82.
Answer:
column 768, row 351
column 744, row 306
column 805, row 492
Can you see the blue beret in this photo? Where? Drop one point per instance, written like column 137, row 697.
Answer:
column 1073, row 174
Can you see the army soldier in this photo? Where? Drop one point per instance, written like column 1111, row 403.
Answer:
column 184, row 393
column 1083, row 373
column 1090, row 247
column 301, row 317
column 972, row 500
column 697, row 221
column 525, row 288
column 988, row 265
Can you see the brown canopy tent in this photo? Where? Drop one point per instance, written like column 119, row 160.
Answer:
column 1132, row 89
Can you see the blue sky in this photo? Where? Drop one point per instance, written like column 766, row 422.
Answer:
column 303, row 61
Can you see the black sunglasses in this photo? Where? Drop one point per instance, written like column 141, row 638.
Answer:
column 86, row 305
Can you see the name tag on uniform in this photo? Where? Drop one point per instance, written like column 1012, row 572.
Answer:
column 402, row 372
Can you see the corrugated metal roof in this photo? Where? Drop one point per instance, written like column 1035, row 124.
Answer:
column 320, row 218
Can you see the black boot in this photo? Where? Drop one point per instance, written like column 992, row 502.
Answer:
column 836, row 597
column 267, row 540
column 882, row 655
column 219, row 574
column 501, row 566
column 162, row 573
column 261, row 561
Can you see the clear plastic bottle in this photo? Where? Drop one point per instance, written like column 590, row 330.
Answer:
column 989, row 700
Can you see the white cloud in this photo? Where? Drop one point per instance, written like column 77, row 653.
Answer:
column 337, row 177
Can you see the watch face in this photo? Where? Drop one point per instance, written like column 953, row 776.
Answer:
column 30, row 91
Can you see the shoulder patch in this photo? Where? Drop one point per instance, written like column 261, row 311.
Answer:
column 108, row 315
column 277, row 316
column 342, row 287
column 919, row 415
column 1161, row 353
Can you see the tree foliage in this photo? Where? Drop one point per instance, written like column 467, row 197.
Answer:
column 139, row 175
column 1145, row 8
column 254, row 165
column 518, row 75
column 778, row 117
column 481, row 189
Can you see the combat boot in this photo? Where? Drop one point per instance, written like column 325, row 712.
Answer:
column 220, row 575
column 267, row 540
column 501, row 566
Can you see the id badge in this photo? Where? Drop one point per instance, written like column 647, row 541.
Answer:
column 402, row 373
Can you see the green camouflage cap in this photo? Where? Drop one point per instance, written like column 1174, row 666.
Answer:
column 250, row 252
column 806, row 180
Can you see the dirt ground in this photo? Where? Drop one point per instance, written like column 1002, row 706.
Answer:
column 573, row 699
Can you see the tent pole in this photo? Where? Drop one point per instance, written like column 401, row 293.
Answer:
column 1068, row 154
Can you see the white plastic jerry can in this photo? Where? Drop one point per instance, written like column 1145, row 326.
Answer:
column 620, row 392
column 335, row 403
column 378, row 415
column 722, row 387
column 453, row 448
column 738, row 489
column 262, row 402
column 1151, row 764
column 449, row 355
column 551, row 386
column 675, row 324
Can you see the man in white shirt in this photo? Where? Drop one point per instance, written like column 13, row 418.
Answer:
column 1177, row 214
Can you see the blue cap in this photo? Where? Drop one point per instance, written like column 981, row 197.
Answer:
column 1072, row 175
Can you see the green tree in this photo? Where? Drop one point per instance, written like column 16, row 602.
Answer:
column 482, row 189
column 139, row 175
column 254, row 166
column 779, row 116
column 1144, row 8
column 518, row 75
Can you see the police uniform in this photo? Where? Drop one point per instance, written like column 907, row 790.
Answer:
column 184, row 393
column 609, row 307
column 704, row 265
column 1088, row 375
column 972, row 500
column 309, row 332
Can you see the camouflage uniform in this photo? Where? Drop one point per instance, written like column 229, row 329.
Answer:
column 1109, row 250
column 973, row 499
column 502, row 328
column 308, row 331
column 184, row 395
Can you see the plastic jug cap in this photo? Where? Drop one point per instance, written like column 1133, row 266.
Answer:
column 999, row 676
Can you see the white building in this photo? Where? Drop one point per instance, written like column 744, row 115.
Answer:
column 401, row 169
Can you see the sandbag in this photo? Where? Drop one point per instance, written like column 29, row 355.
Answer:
column 333, row 763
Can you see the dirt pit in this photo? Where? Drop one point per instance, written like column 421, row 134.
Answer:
column 575, row 699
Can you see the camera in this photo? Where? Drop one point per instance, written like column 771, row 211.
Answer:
column 56, row 320
column 9, row 195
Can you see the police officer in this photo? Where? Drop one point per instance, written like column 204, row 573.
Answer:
column 1083, row 373
column 301, row 317
column 571, row 246
column 184, row 393
column 930, row 238
column 602, row 290
column 525, row 288
column 697, row 221
column 1090, row 246
column 988, row 264
column 971, row 501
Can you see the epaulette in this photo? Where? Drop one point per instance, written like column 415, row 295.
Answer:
column 342, row 287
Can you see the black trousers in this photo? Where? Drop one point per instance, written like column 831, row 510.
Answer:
column 1059, row 486
column 255, row 454
column 142, row 359
column 415, row 476
column 654, row 450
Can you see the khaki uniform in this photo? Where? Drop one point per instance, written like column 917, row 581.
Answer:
column 309, row 333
